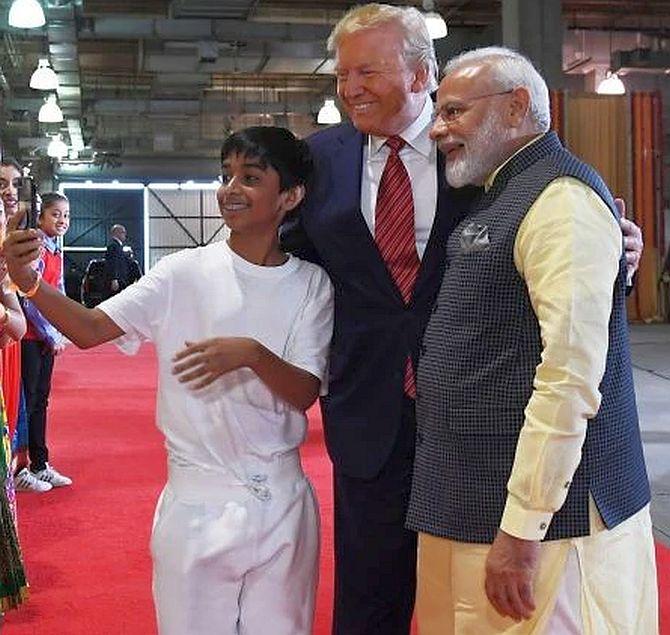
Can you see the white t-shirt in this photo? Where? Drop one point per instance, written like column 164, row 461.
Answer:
column 208, row 292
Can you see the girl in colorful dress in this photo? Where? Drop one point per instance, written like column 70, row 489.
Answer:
column 10, row 354
column 13, row 585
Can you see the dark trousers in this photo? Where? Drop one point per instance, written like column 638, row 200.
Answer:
column 37, row 362
column 375, row 556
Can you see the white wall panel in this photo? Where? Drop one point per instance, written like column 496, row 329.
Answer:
column 181, row 218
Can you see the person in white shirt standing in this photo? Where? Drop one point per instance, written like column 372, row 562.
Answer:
column 242, row 333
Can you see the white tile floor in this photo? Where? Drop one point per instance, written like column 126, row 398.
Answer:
column 650, row 346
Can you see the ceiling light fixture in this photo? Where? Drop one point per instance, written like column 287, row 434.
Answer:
column 26, row 14
column 50, row 112
column 611, row 85
column 57, row 148
column 437, row 27
column 329, row 114
column 44, row 77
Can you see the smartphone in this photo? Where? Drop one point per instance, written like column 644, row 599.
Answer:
column 28, row 202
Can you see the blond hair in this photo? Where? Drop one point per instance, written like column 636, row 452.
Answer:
column 418, row 47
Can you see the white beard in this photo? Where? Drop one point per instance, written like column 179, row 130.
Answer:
column 481, row 153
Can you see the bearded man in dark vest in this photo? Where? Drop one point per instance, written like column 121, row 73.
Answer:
column 530, row 491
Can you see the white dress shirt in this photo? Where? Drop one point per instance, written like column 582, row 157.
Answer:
column 419, row 156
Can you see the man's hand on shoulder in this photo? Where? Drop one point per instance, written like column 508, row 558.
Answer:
column 632, row 239
column 510, row 570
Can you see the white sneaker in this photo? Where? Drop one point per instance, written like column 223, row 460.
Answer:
column 26, row 481
column 53, row 477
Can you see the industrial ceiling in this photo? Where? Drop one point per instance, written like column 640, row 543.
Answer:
column 153, row 79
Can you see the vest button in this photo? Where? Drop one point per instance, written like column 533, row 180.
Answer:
column 434, row 308
column 543, row 526
column 422, row 349
column 419, row 438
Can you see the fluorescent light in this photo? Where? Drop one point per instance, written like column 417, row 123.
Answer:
column 163, row 186
column 57, row 148
column 44, row 78
column 192, row 185
column 26, row 14
column 50, row 111
column 437, row 27
column 106, row 185
column 329, row 114
column 611, row 85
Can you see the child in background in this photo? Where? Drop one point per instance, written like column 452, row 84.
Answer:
column 39, row 347
column 242, row 333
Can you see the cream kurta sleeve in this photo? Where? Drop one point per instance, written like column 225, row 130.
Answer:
column 567, row 250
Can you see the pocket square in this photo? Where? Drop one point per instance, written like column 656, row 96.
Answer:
column 474, row 237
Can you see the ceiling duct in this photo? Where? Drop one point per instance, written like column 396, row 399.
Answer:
column 641, row 60
column 64, row 54
column 229, row 10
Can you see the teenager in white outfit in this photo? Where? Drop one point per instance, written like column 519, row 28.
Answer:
column 242, row 332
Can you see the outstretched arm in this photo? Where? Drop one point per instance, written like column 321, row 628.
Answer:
column 85, row 327
column 203, row 362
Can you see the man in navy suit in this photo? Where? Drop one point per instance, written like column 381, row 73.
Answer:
column 386, row 69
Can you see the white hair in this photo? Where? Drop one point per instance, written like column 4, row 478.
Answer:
column 509, row 70
column 418, row 49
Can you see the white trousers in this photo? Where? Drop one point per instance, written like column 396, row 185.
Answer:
column 602, row 584
column 235, row 558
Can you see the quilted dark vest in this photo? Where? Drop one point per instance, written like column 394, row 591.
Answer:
column 479, row 355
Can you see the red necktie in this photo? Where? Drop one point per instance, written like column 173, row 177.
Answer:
column 394, row 231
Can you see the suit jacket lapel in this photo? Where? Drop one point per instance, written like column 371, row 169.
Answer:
column 347, row 162
column 347, row 168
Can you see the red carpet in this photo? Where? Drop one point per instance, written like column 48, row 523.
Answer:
column 86, row 547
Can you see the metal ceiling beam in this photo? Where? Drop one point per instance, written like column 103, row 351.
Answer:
column 63, row 49
column 230, row 9
column 129, row 27
column 180, row 107
column 194, row 107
